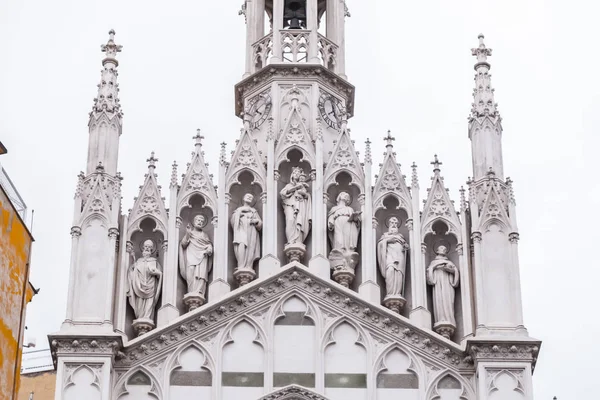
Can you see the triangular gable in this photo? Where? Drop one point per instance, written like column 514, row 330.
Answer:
column 295, row 134
column 493, row 208
column 391, row 182
column 197, row 180
column 344, row 158
column 439, row 206
column 149, row 204
column 97, row 202
column 293, row 392
column 257, row 299
column 246, row 158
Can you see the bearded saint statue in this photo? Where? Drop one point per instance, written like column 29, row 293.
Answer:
column 195, row 261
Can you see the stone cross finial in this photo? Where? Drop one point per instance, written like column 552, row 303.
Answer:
column 110, row 48
column 436, row 163
column 481, row 52
column 389, row 139
column 152, row 161
column 198, row 138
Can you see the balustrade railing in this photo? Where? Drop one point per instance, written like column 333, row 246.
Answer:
column 294, row 45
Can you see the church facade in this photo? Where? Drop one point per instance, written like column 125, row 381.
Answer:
column 300, row 276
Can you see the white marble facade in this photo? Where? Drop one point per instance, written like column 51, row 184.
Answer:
column 299, row 276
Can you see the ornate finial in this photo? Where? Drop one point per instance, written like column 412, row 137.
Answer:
column 198, row 138
column 368, row 156
column 243, row 11
column 463, row 199
column 436, row 164
column 389, row 139
column 100, row 167
column 346, row 10
column 511, row 191
column 415, row 176
column 152, row 161
column 174, row 175
column 111, row 49
column 481, row 52
column 223, row 156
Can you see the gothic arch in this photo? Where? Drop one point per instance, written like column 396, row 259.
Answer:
column 283, row 156
column 173, row 362
column 416, row 365
column 69, row 380
column 432, row 393
column 312, row 311
column 293, row 392
column 121, row 388
column 403, row 203
column 261, row 335
column 362, row 339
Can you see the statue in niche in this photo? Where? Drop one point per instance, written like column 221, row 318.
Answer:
column 443, row 275
column 296, row 202
column 195, row 262
column 246, row 224
column 391, row 255
column 343, row 224
column 144, row 279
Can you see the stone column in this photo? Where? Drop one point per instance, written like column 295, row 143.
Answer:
column 369, row 289
column 465, row 283
column 75, row 235
column 516, row 289
column 113, row 234
column 319, row 263
column 277, row 27
column 121, row 281
column 169, row 311
column 419, row 313
column 479, row 295
column 255, row 21
column 219, row 286
column 312, row 24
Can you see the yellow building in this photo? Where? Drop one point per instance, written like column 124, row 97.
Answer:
column 15, row 289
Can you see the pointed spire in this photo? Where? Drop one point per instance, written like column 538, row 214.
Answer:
column 389, row 139
column 483, row 94
column 108, row 88
column 368, row 156
column 152, row 162
column 174, row 175
column 415, row 176
column 436, row 164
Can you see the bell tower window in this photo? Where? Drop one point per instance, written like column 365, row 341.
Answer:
column 294, row 14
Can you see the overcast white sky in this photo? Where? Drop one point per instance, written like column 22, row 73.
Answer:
column 412, row 67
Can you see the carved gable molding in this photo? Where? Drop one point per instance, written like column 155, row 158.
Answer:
column 390, row 181
column 99, row 193
column 494, row 207
column 295, row 134
column 197, row 180
column 439, row 206
column 344, row 159
column 293, row 392
column 246, row 158
column 149, row 204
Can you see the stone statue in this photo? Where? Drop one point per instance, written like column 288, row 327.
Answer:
column 443, row 275
column 195, row 261
column 343, row 224
column 246, row 224
column 391, row 255
column 296, row 202
column 144, row 279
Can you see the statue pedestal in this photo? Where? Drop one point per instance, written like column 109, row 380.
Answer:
column 342, row 263
column 295, row 252
column 244, row 276
column 142, row 326
column 446, row 329
column 343, row 276
column 394, row 303
column 193, row 301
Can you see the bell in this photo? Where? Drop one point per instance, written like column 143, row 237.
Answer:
column 295, row 14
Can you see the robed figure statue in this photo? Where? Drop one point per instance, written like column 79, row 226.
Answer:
column 144, row 284
column 246, row 224
column 296, row 202
column 391, row 256
column 195, row 261
column 343, row 224
column 443, row 275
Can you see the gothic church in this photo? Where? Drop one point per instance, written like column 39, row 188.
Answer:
column 299, row 276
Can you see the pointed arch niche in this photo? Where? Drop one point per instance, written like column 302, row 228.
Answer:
column 294, row 158
column 146, row 229
column 294, row 344
column 243, row 361
column 191, row 375
column 140, row 385
column 448, row 386
column 346, row 360
column 194, row 205
column 82, row 383
column 246, row 182
column 397, row 377
column 441, row 235
column 344, row 182
column 391, row 207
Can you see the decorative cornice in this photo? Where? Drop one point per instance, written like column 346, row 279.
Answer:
column 504, row 350
column 77, row 345
column 298, row 72
column 211, row 317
